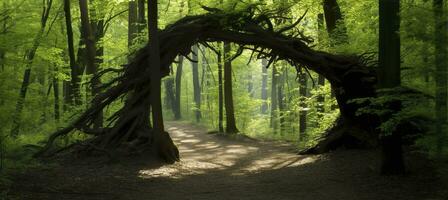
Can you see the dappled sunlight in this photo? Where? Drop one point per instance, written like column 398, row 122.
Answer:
column 203, row 153
column 178, row 170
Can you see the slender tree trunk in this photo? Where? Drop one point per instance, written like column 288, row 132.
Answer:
column 91, row 53
column 17, row 116
column 264, row 86
column 250, row 85
column 73, row 91
column 56, row 96
column 170, row 97
column 321, row 78
column 440, row 44
column 274, row 103
column 132, row 23
column 389, row 77
column 220, row 91
column 196, row 87
column 281, row 102
column 303, row 80
column 177, row 107
column 228, row 94
column 141, row 16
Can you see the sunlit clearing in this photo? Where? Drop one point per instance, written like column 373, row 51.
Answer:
column 205, row 154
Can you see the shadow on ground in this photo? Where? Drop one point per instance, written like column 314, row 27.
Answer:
column 217, row 167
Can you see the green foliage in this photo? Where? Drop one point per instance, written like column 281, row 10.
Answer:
column 396, row 106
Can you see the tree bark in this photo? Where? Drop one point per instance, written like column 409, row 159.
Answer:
column 321, row 78
column 56, row 96
column 264, row 86
column 73, row 91
column 220, row 91
column 335, row 23
column 177, row 107
column 170, row 97
column 196, row 87
column 274, row 103
column 281, row 102
column 164, row 146
column 141, row 16
column 91, row 52
column 17, row 116
column 389, row 77
column 303, row 81
column 228, row 93
column 132, row 23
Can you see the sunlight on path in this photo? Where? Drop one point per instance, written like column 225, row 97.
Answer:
column 202, row 153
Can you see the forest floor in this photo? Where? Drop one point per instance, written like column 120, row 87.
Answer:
column 218, row 167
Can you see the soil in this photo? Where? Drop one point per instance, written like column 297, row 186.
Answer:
column 218, row 167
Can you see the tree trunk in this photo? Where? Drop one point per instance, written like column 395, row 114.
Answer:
column 264, row 86
column 274, row 103
column 17, row 116
column 250, row 85
column 141, row 16
column 281, row 102
column 220, row 91
column 164, row 146
column 73, row 90
column 441, row 75
column 303, row 80
column 389, row 77
column 228, row 94
column 170, row 97
column 335, row 23
column 91, row 52
column 177, row 110
column 336, row 28
column 321, row 78
column 132, row 23
column 196, row 87
column 56, row 96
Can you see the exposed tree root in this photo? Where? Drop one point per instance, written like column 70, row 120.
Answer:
column 350, row 75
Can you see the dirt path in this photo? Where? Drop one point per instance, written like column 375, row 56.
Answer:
column 216, row 167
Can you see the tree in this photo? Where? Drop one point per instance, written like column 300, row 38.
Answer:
column 141, row 16
column 348, row 73
column 177, row 110
column 170, row 96
column 228, row 93
column 91, row 52
column 132, row 22
column 196, row 87
column 220, row 91
column 303, row 81
column 321, row 79
column 281, row 101
column 29, row 62
column 264, row 86
column 335, row 23
column 389, row 77
column 164, row 146
column 274, row 103
column 73, row 91
column 440, row 43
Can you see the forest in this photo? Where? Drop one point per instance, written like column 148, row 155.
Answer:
column 228, row 99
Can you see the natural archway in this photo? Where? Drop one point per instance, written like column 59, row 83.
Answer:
column 350, row 76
